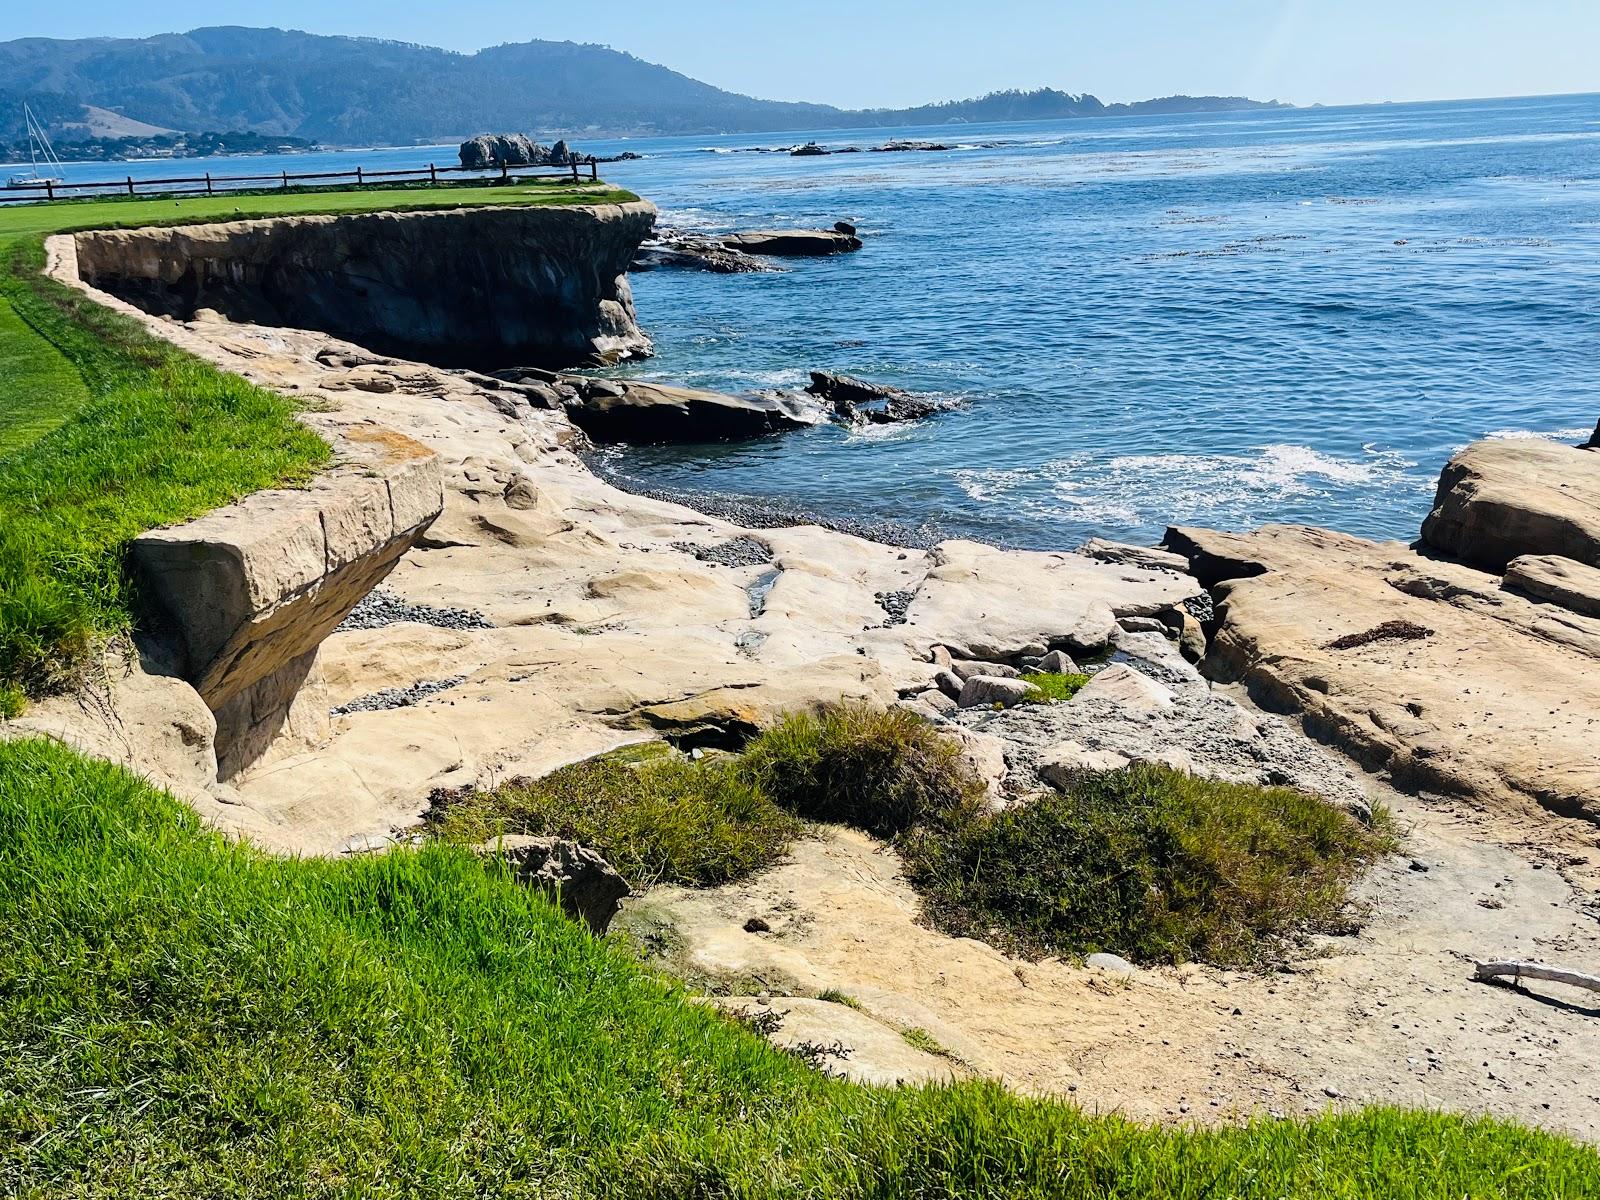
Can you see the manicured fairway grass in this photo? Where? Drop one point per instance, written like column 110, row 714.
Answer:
column 106, row 431
column 184, row 1017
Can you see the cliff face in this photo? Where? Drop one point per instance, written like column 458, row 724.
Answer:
column 462, row 287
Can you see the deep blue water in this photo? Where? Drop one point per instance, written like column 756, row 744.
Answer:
column 1225, row 320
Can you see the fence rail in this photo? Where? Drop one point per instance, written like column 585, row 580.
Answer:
column 209, row 184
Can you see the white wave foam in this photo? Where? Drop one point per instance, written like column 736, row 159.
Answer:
column 1135, row 489
column 1552, row 435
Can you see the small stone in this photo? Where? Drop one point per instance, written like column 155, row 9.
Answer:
column 993, row 690
column 757, row 925
column 1418, row 865
column 1110, row 962
column 1058, row 662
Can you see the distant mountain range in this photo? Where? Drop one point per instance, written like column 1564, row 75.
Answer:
column 363, row 91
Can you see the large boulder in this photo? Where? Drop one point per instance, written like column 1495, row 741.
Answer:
column 503, row 150
column 1498, row 500
column 576, row 877
column 252, row 589
column 793, row 243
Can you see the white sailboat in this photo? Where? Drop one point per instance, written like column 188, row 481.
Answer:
column 38, row 146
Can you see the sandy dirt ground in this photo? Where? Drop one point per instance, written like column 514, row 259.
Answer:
column 1388, row 1015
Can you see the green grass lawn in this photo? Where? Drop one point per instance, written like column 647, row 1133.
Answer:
column 181, row 1016
column 106, row 431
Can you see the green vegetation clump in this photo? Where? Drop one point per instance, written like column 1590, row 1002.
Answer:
column 1147, row 863
column 182, row 1016
column 106, row 431
column 883, row 771
column 1051, row 686
column 660, row 820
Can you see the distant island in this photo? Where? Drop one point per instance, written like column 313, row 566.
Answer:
column 345, row 91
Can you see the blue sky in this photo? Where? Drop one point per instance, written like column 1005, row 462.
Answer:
column 899, row 52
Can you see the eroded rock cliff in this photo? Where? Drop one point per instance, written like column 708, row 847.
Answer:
column 507, row 285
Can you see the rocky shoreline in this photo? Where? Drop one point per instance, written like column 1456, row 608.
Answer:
column 544, row 616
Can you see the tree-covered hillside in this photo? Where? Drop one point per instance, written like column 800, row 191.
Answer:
column 355, row 91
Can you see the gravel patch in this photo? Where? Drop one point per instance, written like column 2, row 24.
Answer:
column 382, row 607
column 896, row 605
column 737, row 552
column 398, row 697
column 755, row 513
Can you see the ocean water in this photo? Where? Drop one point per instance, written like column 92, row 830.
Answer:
column 1223, row 320
column 1213, row 319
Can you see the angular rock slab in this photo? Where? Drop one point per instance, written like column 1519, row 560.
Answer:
column 994, row 605
column 1499, row 500
column 253, row 588
column 1558, row 580
column 1426, row 668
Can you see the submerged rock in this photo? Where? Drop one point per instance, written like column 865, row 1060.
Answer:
column 858, row 401
column 696, row 252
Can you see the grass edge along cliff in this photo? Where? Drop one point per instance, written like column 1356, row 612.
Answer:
column 189, row 1016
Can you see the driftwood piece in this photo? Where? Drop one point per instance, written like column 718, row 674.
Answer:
column 1483, row 972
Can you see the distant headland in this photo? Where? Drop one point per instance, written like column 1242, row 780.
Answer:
column 273, row 83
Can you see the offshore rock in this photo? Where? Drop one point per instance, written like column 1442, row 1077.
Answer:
column 860, row 402
column 504, row 149
column 793, row 243
column 473, row 286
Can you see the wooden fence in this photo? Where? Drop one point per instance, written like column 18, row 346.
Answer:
column 210, row 185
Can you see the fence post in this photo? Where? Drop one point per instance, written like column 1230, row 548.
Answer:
column 130, row 185
column 505, row 170
column 286, row 181
column 358, row 176
column 49, row 190
column 574, row 166
column 594, row 169
column 208, row 183
column 433, row 173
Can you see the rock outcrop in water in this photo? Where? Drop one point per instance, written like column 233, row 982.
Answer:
column 793, row 243
column 471, row 286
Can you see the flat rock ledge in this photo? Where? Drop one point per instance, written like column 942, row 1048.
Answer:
column 1450, row 676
